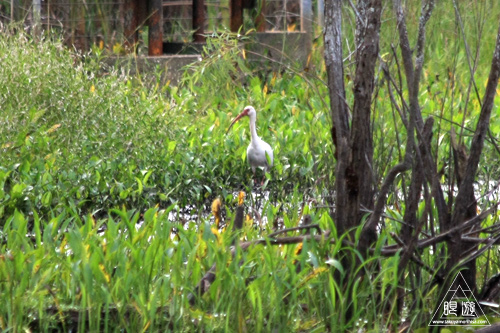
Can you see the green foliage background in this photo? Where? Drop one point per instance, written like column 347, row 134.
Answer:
column 97, row 167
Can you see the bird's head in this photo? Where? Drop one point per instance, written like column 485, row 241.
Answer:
column 248, row 111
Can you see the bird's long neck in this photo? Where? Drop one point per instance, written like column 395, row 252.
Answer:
column 253, row 130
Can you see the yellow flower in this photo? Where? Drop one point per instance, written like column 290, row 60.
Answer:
column 241, row 198
column 216, row 204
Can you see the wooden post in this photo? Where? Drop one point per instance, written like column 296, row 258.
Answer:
column 142, row 12
column 130, row 22
column 236, row 14
column 198, row 20
column 78, row 30
column 155, row 22
column 306, row 25
column 260, row 19
column 81, row 29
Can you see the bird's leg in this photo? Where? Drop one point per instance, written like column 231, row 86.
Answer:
column 265, row 170
column 254, row 181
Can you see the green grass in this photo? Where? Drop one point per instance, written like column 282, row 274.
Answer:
column 138, row 279
column 88, row 151
column 75, row 137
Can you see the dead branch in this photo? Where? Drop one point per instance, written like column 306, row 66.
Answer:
column 422, row 244
column 478, row 252
column 413, row 257
column 302, row 227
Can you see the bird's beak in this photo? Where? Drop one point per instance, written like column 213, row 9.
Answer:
column 241, row 115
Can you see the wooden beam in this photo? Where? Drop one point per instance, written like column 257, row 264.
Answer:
column 142, row 12
column 198, row 20
column 155, row 22
column 236, row 15
column 130, row 22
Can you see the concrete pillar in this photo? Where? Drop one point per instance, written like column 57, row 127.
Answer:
column 37, row 15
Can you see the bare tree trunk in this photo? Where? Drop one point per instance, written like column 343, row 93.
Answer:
column 359, row 177
column 339, row 110
column 354, row 183
column 354, row 147
column 465, row 197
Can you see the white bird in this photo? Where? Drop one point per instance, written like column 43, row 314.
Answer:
column 259, row 152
